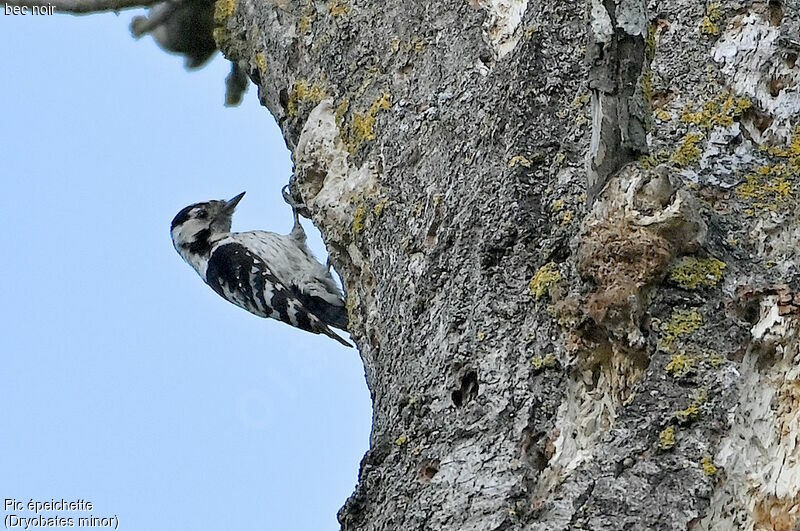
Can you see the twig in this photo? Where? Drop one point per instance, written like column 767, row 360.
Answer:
column 78, row 7
column 143, row 25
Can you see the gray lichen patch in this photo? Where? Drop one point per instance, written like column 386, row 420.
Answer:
column 632, row 17
column 600, row 22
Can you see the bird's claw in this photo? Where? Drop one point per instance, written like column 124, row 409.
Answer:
column 287, row 195
column 300, row 208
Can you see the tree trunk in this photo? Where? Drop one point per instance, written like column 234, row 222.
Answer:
column 536, row 363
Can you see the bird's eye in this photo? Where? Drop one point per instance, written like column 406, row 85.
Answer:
column 202, row 214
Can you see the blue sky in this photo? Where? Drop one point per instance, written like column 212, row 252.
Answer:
column 125, row 380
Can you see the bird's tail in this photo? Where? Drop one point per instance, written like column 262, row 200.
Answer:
column 333, row 335
column 334, row 315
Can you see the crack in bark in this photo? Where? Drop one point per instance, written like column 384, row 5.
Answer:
column 616, row 59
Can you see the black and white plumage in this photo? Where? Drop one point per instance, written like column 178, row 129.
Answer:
column 267, row 274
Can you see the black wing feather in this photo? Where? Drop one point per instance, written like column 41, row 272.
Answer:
column 241, row 277
column 330, row 314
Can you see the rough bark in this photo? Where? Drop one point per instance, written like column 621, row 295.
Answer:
column 535, row 363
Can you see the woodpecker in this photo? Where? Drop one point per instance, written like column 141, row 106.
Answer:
column 267, row 274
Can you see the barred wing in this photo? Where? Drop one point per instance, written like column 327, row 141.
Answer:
column 243, row 278
column 296, row 268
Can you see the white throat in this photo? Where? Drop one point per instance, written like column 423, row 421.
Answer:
column 198, row 262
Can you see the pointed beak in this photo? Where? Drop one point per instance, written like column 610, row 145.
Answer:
column 230, row 205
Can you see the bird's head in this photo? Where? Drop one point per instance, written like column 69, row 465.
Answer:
column 195, row 225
